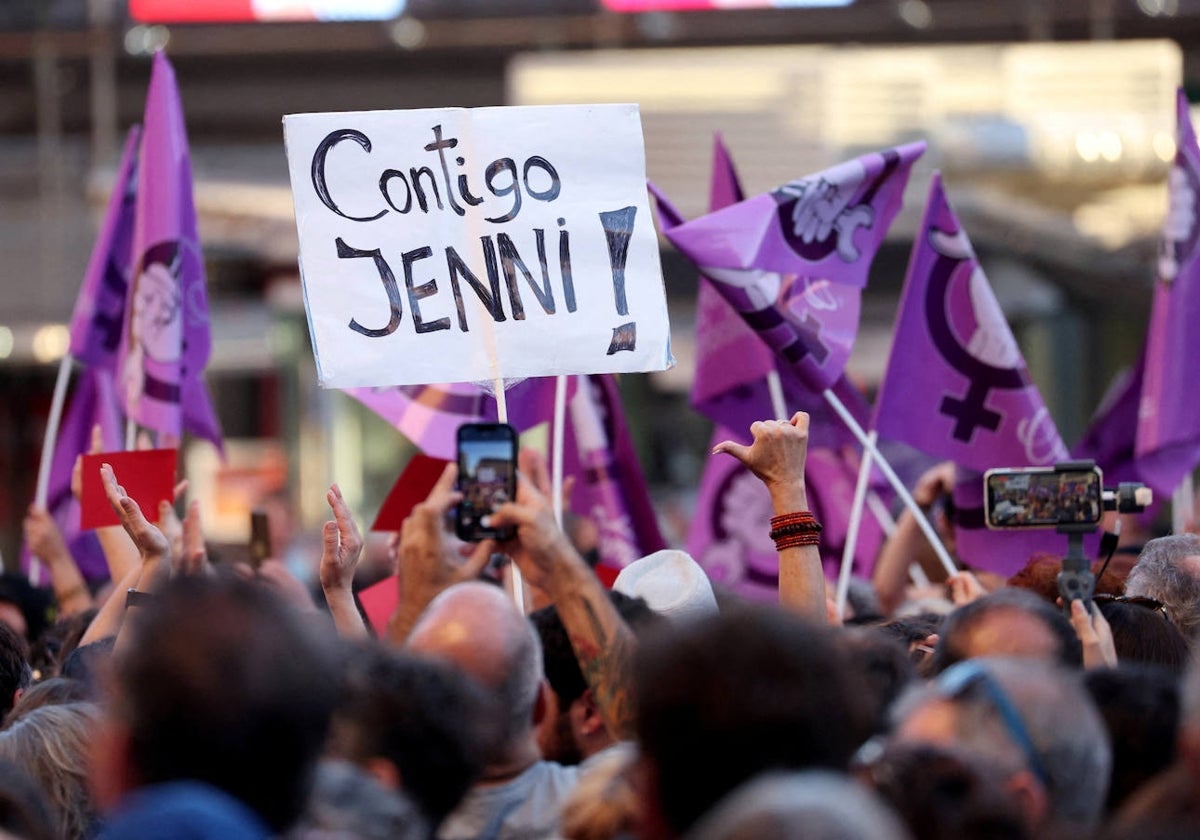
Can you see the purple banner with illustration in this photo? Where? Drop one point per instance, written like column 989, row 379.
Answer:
column 1001, row 552
column 93, row 402
column 793, row 262
column 429, row 415
column 730, row 533
column 100, row 307
column 1109, row 438
column 956, row 385
column 1168, row 431
column 166, row 343
column 610, row 488
column 732, row 361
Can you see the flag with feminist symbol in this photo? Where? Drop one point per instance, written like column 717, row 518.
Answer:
column 100, row 308
column 1168, row 429
column 165, row 340
column 793, row 262
column 956, row 386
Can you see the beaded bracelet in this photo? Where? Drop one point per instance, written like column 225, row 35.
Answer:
column 797, row 540
column 789, row 524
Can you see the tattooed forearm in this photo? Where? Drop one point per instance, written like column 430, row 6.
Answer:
column 605, row 647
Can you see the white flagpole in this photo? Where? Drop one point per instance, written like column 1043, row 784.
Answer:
column 775, row 388
column 856, row 510
column 884, row 517
column 518, row 583
column 42, row 491
column 893, row 479
column 52, row 424
column 556, row 447
column 1183, row 505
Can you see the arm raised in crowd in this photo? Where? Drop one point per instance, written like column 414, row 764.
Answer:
column 777, row 456
column 603, row 643
column 46, row 543
column 427, row 562
column 341, row 545
column 908, row 544
column 120, row 554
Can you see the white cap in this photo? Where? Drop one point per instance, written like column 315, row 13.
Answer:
column 672, row 584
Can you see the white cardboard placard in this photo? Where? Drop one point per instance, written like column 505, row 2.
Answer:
column 458, row 245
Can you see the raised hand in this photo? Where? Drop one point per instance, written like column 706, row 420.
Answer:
column 777, row 457
column 151, row 543
column 341, row 545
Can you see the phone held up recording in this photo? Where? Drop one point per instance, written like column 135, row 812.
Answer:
column 487, row 478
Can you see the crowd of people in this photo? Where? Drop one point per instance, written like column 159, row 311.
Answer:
column 199, row 699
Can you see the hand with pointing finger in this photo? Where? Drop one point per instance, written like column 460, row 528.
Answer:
column 777, row 457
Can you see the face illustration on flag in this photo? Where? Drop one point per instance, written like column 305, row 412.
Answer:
column 956, row 385
column 1168, row 428
column 166, row 341
column 100, row 307
column 793, row 262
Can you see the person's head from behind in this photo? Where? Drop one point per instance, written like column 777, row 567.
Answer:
column 1030, row 720
column 15, row 673
column 1008, row 623
column 943, row 794
column 721, row 700
column 809, row 805
column 476, row 628
column 573, row 728
column 51, row 744
column 25, row 813
column 1168, row 570
column 1140, row 708
column 222, row 684
column 1142, row 632
column 414, row 724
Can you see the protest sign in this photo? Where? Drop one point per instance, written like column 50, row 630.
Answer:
column 458, row 245
column 148, row 476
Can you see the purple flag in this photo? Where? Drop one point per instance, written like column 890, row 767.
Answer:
column 610, row 488
column 166, row 344
column 1168, row 430
column 1109, row 438
column 429, row 415
column 1002, row 552
column 100, row 307
column 93, row 402
column 733, row 362
column 956, row 386
column 793, row 262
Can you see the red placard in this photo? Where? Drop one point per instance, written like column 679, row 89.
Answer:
column 410, row 489
column 148, row 477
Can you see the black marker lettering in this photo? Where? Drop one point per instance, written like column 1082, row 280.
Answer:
column 439, row 145
column 495, row 168
column 318, row 170
column 345, row 252
column 490, row 297
column 417, row 293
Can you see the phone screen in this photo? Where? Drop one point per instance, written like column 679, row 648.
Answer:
column 1043, row 498
column 487, row 477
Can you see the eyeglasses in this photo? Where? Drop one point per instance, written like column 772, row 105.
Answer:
column 1148, row 603
column 956, row 681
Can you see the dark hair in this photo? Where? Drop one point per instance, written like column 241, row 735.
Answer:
column 15, row 672
column 1143, row 633
column 430, row 720
column 1140, row 707
column 55, row 691
column 559, row 661
column 958, row 626
column 942, row 794
column 884, row 663
column 748, row 690
column 225, row 684
column 51, row 649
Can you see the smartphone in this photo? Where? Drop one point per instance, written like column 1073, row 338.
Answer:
column 487, row 478
column 1043, row 497
column 260, row 538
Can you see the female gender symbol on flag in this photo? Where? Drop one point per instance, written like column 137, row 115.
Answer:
column 956, row 385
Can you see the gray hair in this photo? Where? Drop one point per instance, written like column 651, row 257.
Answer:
column 1062, row 722
column 809, row 805
column 1160, row 574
